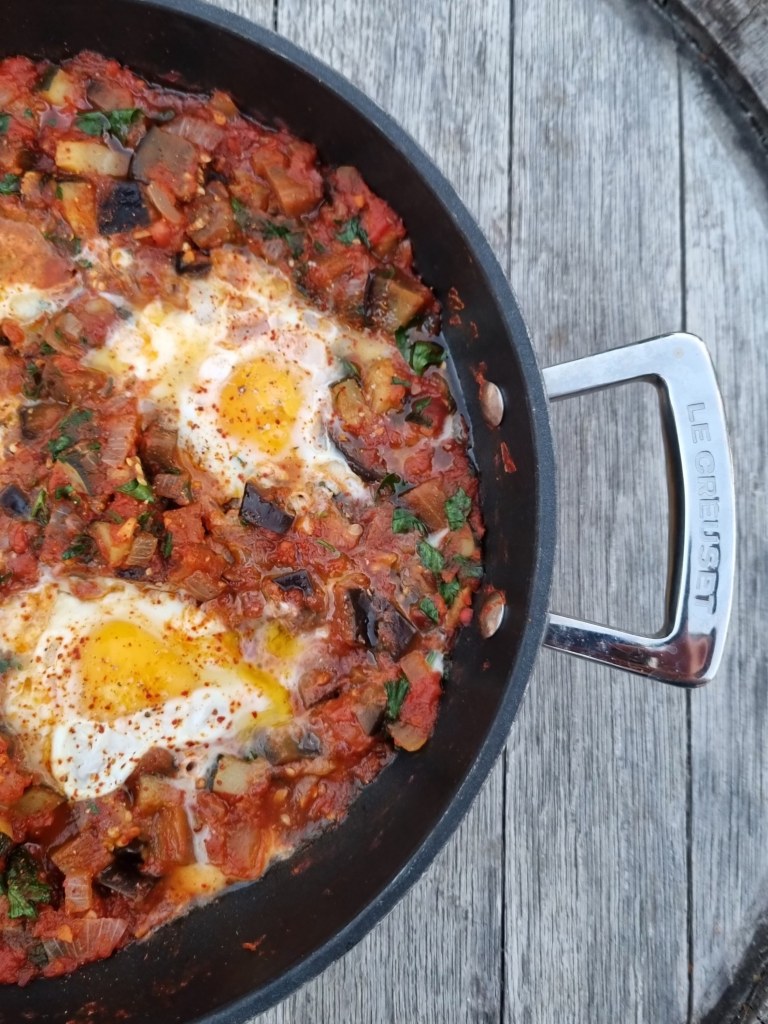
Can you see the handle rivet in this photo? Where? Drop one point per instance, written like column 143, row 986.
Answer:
column 491, row 614
column 492, row 403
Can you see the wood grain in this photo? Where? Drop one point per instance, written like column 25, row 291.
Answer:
column 732, row 37
column 442, row 70
column 596, row 867
column 727, row 295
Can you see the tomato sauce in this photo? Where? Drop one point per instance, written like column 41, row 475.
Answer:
column 92, row 489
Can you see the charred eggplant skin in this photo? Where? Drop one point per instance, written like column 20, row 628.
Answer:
column 123, row 209
column 257, row 511
column 379, row 624
column 14, row 501
column 299, row 580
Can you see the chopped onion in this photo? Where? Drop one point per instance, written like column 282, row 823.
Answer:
column 163, row 202
column 92, row 939
column 78, row 893
column 202, row 133
column 142, row 550
column 118, row 442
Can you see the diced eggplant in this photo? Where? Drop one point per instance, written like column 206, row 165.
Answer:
column 428, row 502
column 124, row 875
column 59, row 89
column 169, row 159
column 294, row 197
column 123, row 209
column 107, row 95
column 158, row 448
column 379, row 624
column 124, row 878
column 299, row 580
column 257, row 511
column 393, row 298
column 135, row 572
column 371, row 716
column 286, row 743
column 317, row 684
column 14, row 501
column 361, row 460
column 235, row 777
column 85, row 158
column 211, row 218
column 193, row 262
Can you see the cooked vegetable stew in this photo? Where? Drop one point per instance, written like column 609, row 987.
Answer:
column 239, row 526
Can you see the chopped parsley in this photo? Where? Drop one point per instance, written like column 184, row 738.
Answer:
column 404, row 521
column 137, row 490
column 241, row 213
column 81, row 548
column 325, row 544
column 7, row 662
column 457, row 508
column 22, row 885
column 353, row 231
column 5, row 120
column 59, row 445
column 350, row 370
column 469, row 569
column 39, row 510
column 430, row 557
column 114, row 122
column 67, row 491
column 394, row 484
column 71, row 245
column 76, row 419
column 449, row 591
column 10, row 184
column 416, row 415
column 418, row 354
column 428, row 606
column 424, row 354
column 401, row 382
column 33, row 381
column 167, row 546
column 293, row 239
column 397, row 691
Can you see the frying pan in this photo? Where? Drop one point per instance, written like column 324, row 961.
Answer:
column 310, row 910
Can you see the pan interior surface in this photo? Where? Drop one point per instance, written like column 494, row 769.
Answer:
column 313, row 908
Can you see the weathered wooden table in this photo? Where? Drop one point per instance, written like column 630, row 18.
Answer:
column 616, row 863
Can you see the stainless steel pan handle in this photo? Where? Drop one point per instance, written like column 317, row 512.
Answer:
column 702, row 515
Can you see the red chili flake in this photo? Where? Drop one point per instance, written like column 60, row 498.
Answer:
column 453, row 299
column 507, row 461
column 252, row 946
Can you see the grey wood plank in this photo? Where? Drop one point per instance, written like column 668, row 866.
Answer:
column 726, row 215
column 732, row 36
column 260, row 11
column 596, row 863
column 443, row 70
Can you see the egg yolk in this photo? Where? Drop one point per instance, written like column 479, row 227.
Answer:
column 259, row 404
column 125, row 669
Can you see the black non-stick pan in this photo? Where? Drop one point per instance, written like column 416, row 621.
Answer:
column 308, row 911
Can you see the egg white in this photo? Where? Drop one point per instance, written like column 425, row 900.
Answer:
column 243, row 322
column 57, row 704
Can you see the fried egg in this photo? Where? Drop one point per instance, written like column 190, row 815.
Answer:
column 93, row 685
column 243, row 366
